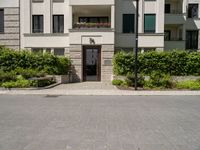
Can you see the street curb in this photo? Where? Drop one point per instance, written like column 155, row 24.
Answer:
column 59, row 92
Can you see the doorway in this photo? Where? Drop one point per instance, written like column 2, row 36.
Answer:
column 91, row 63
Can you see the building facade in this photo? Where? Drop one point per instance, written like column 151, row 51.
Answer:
column 89, row 32
column 10, row 23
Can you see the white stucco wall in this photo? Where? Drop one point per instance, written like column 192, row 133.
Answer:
column 145, row 7
column 9, row 3
column 48, row 9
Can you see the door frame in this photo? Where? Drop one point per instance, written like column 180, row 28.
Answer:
column 84, row 47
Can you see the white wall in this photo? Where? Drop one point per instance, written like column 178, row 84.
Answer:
column 9, row 3
column 145, row 7
column 47, row 9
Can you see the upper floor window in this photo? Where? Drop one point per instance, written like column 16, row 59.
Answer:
column 58, row 23
column 193, row 10
column 38, row 24
column 167, row 8
column 1, row 21
column 128, row 23
column 149, row 23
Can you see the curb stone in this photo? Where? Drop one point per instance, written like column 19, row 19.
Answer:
column 99, row 92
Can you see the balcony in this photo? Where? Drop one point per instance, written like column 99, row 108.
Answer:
column 92, row 22
column 88, row 17
column 174, row 37
column 92, row 2
column 174, row 12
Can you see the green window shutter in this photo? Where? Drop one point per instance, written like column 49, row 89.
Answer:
column 128, row 23
column 149, row 23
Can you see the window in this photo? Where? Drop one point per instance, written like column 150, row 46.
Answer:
column 59, row 51
column 149, row 23
column 1, row 21
column 167, row 8
column 37, row 1
column 192, row 39
column 193, row 10
column 37, row 50
column 58, row 23
column 48, row 50
column 37, row 24
column 128, row 23
column 167, row 35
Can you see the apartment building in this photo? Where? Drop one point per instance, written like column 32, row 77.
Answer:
column 182, row 24
column 10, row 23
column 89, row 32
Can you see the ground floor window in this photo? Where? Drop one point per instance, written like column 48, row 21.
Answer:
column 192, row 39
column 59, row 51
column 56, row 51
column 37, row 50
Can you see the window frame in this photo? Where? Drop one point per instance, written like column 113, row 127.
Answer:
column 149, row 31
column 190, row 15
column 33, row 25
column 168, row 11
column 60, row 27
column 131, row 31
column 2, row 28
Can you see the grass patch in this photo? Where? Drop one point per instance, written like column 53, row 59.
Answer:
column 190, row 84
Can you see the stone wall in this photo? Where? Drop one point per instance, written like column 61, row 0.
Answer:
column 11, row 37
column 76, row 54
column 107, row 52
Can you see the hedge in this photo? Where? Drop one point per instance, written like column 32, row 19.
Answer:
column 10, row 60
column 177, row 63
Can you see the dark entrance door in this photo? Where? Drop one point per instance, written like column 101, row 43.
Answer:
column 91, row 63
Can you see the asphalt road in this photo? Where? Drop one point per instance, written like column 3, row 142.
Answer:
column 99, row 122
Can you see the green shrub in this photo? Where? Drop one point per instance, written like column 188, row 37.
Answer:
column 158, row 80
column 10, row 60
column 29, row 73
column 175, row 63
column 41, row 83
column 117, row 82
column 20, row 83
column 123, row 63
column 7, row 76
column 190, row 84
column 130, row 80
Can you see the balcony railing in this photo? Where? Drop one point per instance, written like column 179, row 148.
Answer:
column 175, row 12
column 80, row 25
column 175, row 39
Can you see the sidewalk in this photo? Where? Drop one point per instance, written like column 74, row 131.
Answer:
column 92, row 88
